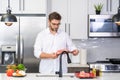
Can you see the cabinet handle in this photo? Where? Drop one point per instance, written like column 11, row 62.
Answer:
column 21, row 49
column 119, row 1
column 65, row 27
column 17, row 49
column 110, row 5
column 20, row 5
column 69, row 29
column 107, row 5
column 23, row 5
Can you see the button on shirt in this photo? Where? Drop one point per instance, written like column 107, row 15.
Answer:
column 49, row 43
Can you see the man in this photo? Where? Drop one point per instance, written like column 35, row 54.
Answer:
column 50, row 43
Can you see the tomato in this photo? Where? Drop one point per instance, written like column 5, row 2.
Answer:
column 9, row 72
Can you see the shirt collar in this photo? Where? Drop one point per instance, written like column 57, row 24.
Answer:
column 48, row 31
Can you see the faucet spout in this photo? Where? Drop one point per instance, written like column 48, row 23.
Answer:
column 60, row 66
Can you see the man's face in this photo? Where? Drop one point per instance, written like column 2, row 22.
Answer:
column 54, row 25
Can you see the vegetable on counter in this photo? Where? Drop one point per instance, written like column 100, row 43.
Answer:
column 16, row 70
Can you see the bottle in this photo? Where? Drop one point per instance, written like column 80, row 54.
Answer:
column 97, row 71
column 94, row 71
column 100, row 71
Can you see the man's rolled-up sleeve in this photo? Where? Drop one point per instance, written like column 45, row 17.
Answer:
column 38, row 47
column 70, row 44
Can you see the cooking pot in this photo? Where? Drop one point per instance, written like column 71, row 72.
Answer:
column 114, row 60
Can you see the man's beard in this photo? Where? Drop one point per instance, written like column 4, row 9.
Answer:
column 54, row 29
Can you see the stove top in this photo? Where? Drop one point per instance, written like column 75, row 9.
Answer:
column 105, row 66
column 100, row 62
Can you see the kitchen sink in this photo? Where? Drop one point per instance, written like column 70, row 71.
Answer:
column 55, row 75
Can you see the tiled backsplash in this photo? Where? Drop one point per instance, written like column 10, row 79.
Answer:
column 100, row 48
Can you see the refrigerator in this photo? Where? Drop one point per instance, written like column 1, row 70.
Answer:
column 19, row 39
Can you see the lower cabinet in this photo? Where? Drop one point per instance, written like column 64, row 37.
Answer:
column 78, row 69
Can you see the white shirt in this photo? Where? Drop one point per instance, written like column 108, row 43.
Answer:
column 47, row 42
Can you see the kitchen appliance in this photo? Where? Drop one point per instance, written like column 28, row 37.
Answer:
column 22, row 35
column 103, row 26
column 105, row 66
column 114, row 60
column 8, row 54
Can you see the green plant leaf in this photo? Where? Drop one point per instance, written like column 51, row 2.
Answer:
column 98, row 7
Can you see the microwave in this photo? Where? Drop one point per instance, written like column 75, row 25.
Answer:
column 102, row 26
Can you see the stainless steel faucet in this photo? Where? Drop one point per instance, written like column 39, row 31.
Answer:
column 60, row 66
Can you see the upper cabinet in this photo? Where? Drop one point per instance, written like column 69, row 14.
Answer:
column 74, row 17
column 24, row 6
column 109, row 6
column 63, row 10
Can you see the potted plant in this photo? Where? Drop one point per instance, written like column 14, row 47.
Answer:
column 98, row 8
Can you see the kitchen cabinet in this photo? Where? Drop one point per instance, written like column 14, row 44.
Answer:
column 77, row 69
column 74, row 17
column 24, row 6
column 72, row 68
column 109, row 6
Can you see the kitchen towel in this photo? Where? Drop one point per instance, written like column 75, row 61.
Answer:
column 83, row 56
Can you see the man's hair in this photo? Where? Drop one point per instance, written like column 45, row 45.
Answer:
column 54, row 15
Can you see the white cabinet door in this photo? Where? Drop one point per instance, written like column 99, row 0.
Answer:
column 14, row 5
column 3, row 6
column 78, row 24
column 74, row 21
column 109, row 6
column 61, row 6
column 114, row 6
column 24, row 6
column 34, row 6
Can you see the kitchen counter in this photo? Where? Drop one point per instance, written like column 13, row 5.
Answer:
column 32, row 76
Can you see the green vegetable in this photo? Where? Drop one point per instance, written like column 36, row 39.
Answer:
column 21, row 67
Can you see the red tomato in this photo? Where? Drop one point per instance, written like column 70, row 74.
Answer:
column 9, row 72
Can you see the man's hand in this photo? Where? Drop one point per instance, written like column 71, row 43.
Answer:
column 54, row 55
column 75, row 52
column 60, row 51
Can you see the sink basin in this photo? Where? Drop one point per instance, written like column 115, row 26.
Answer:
column 55, row 75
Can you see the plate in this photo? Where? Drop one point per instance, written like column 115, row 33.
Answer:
column 19, row 76
column 15, row 75
column 85, row 77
